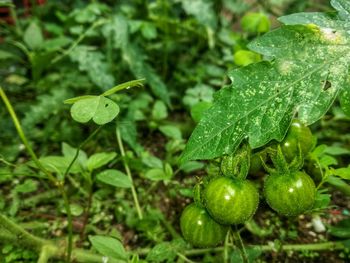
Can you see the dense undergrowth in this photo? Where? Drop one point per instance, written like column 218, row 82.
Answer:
column 122, row 193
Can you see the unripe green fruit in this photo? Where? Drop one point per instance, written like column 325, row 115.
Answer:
column 256, row 166
column 199, row 229
column 298, row 134
column 290, row 194
column 230, row 200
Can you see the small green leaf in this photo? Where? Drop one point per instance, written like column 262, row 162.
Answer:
column 16, row 79
column 114, row 178
column 327, row 160
column 168, row 170
column 202, row 10
column 152, row 161
column 198, row 110
column 322, row 200
column 56, row 43
column 157, row 174
column 191, row 166
column 339, row 184
column 98, row 108
column 33, row 36
column 108, row 246
column 170, row 131
column 341, row 230
column 336, row 150
column 148, row 30
column 59, row 164
column 252, row 255
column 4, row 55
column 27, row 186
column 166, row 251
column 255, row 23
column 319, row 151
column 159, row 111
column 342, row 172
column 99, row 159
column 200, row 93
column 75, row 209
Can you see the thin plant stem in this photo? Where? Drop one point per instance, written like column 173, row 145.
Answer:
column 79, row 148
column 184, row 258
column 170, row 228
column 46, row 253
column 78, row 40
column 127, row 170
column 66, row 199
column 226, row 246
column 86, row 214
column 70, row 225
column 240, row 245
column 337, row 245
column 57, row 183
column 24, row 138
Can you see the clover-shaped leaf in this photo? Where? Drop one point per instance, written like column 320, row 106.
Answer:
column 98, row 108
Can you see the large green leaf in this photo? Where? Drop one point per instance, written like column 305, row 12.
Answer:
column 343, row 7
column 309, row 67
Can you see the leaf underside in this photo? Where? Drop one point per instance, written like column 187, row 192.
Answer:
column 308, row 66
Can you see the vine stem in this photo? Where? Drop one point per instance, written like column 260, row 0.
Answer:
column 57, row 183
column 337, row 245
column 226, row 246
column 10, row 232
column 127, row 170
column 20, row 234
column 46, row 253
column 184, row 258
column 24, row 138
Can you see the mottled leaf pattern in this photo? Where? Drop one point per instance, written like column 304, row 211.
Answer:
column 92, row 62
column 308, row 67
